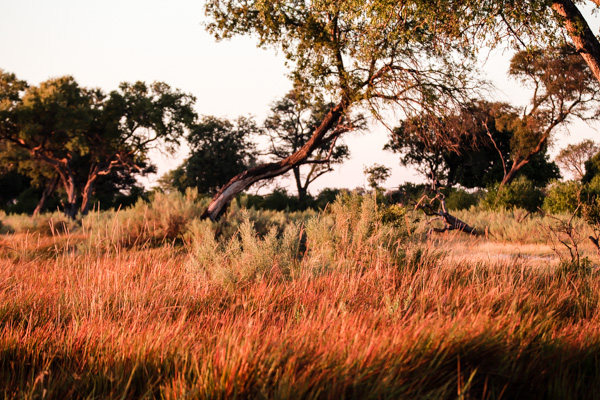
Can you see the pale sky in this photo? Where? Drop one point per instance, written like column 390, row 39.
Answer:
column 104, row 43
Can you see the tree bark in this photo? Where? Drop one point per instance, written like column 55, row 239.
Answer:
column 247, row 178
column 48, row 190
column 512, row 173
column 68, row 181
column 87, row 193
column 585, row 41
column 302, row 189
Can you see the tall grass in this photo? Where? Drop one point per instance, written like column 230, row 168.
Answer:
column 344, row 306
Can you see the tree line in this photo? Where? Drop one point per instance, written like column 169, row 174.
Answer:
column 347, row 59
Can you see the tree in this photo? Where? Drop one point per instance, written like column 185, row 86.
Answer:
column 376, row 175
column 573, row 157
column 290, row 125
column 69, row 128
column 470, row 147
column 414, row 55
column 563, row 86
column 220, row 150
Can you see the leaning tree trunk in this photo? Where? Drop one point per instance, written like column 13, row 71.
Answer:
column 584, row 39
column 512, row 173
column 48, row 190
column 87, row 193
column 247, row 178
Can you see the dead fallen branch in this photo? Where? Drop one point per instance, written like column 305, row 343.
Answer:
column 451, row 223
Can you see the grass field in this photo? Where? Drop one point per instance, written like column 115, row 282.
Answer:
column 331, row 305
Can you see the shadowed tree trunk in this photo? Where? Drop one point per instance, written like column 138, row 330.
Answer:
column 247, row 178
column 302, row 189
column 88, row 191
column 48, row 190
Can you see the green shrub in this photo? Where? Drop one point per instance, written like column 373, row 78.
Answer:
column 562, row 197
column 45, row 224
column 460, row 199
column 590, row 199
column 407, row 193
column 520, row 193
column 246, row 256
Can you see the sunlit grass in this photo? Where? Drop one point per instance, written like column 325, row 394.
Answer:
column 340, row 307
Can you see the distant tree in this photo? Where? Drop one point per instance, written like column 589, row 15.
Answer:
column 563, row 87
column 220, row 150
column 290, row 125
column 592, row 168
column 69, row 128
column 376, row 175
column 573, row 157
column 470, row 147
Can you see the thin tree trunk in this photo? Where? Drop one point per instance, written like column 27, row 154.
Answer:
column 584, row 39
column 517, row 166
column 301, row 189
column 48, row 190
column 88, row 191
column 247, row 178
column 512, row 173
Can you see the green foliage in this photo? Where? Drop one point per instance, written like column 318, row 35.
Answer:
column 573, row 158
column 281, row 200
column 394, row 215
column 44, row 224
column 590, row 199
column 470, row 146
column 356, row 51
column 460, row 199
column 81, row 136
column 246, row 257
column 521, row 193
column 592, row 168
column 408, row 193
column 326, row 197
column 220, row 150
column 376, row 175
column 562, row 197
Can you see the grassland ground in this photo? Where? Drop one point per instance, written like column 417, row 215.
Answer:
column 340, row 306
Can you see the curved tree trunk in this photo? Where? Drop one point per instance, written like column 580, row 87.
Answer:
column 247, row 178
column 88, row 191
column 48, row 190
column 584, row 39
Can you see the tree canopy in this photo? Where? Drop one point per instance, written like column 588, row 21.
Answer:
column 471, row 147
column 573, row 157
column 83, row 134
column 220, row 149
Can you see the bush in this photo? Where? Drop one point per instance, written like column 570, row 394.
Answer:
column 407, row 193
column 520, row 193
column 562, row 197
column 327, row 196
column 590, row 199
column 460, row 199
column 44, row 224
